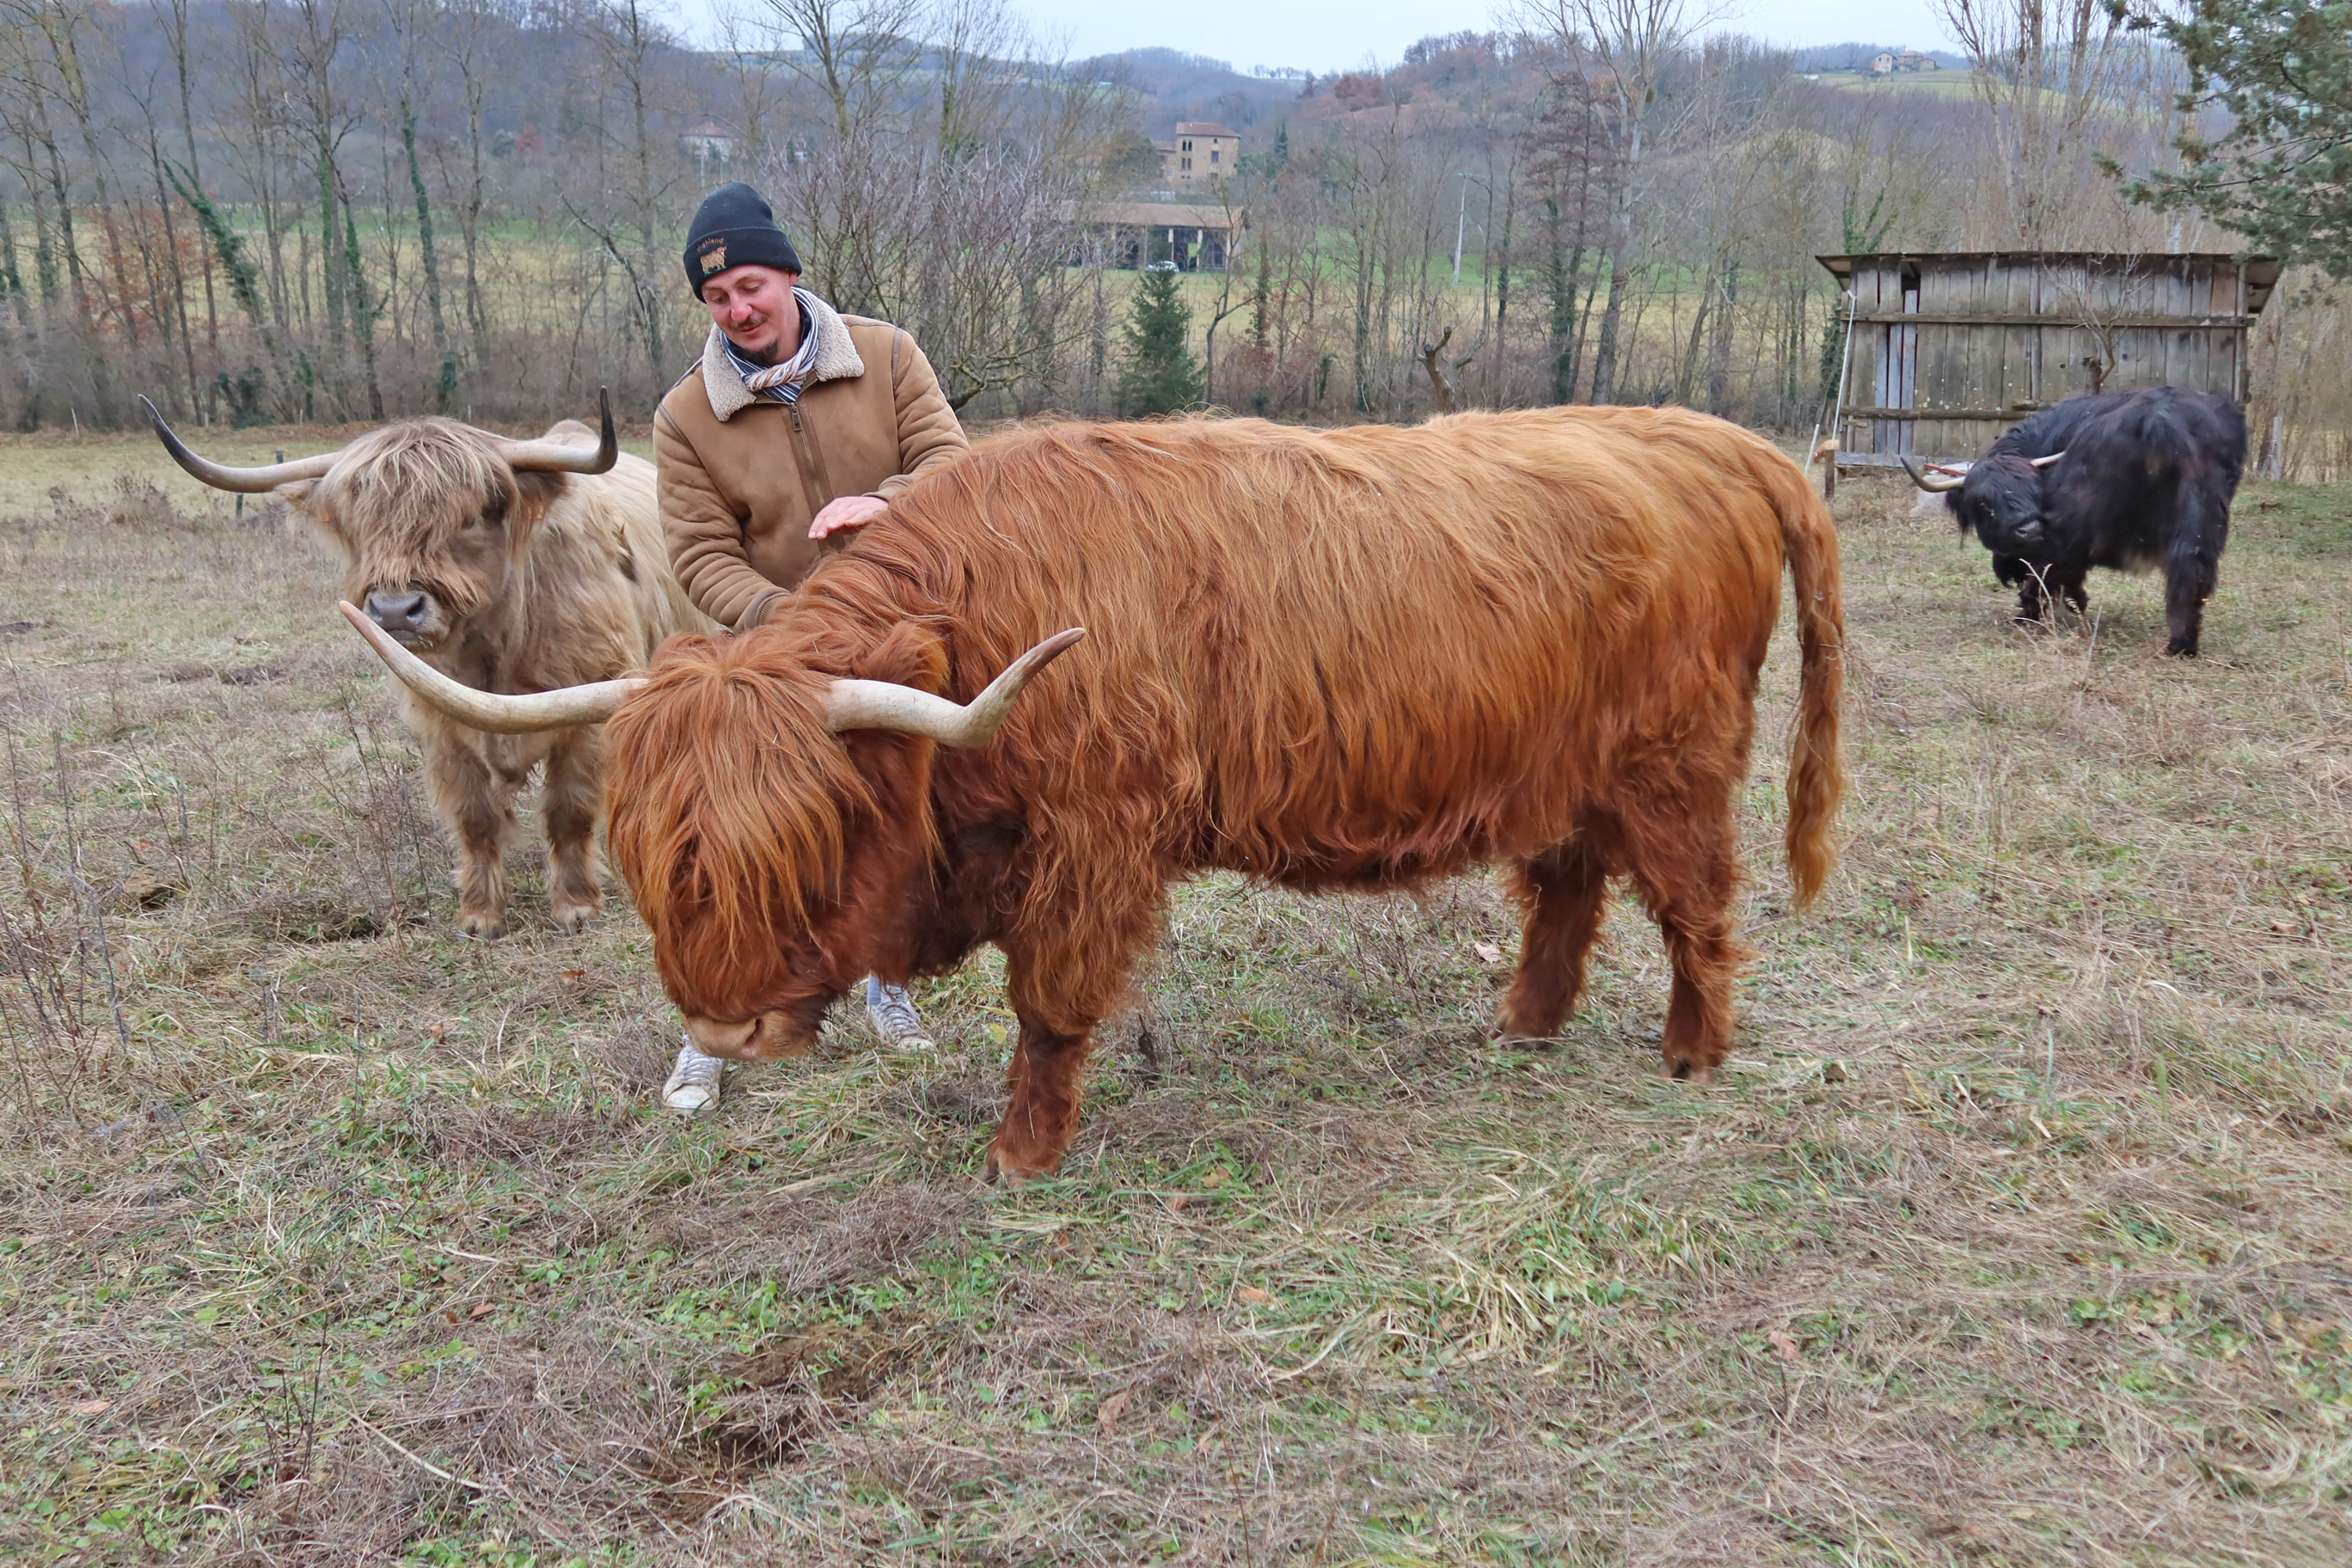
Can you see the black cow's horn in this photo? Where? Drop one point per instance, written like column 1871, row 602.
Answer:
column 561, row 457
column 883, row 705
column 1925, row 483
column 244, row 482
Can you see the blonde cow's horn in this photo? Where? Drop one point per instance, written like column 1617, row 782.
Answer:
column 2045, row 462
column 560, row 456
column 494, row 712
column 852, row 705
column 525, row 456
column 244, row 482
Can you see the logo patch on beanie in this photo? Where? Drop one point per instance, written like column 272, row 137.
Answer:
column 714, row 257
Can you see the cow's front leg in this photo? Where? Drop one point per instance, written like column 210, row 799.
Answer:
column 1062, row 984
column 2028, row 599
column 2066, row 583
column 1048, row 1080
column 478, row 807
column 572, row 803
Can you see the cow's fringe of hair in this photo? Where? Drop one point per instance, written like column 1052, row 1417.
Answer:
column 395, row 496
column 743, row 848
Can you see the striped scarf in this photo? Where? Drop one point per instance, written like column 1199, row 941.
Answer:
column 780, row 382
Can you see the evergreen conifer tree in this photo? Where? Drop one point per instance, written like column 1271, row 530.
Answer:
column 2280, row 172
column 1157, row 373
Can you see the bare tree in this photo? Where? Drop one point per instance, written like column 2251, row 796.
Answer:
column 1624, row 49
column 2044, row 69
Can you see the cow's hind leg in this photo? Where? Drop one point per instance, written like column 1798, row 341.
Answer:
column 478, row 805
column 570, row 804
column 1686, row 863
column 1560, row 894
column 2192, row 569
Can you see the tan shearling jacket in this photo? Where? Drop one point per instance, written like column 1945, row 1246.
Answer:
column 741, row 478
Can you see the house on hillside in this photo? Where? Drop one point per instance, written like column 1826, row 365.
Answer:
column 709, row 144
column 1202, row 152
column 1913, row 60
column 1881, row 63
column 1946, row 351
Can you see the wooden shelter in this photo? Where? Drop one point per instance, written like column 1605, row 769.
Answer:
column 1948, row 350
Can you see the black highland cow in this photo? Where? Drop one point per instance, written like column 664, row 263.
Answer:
column 2127, row 481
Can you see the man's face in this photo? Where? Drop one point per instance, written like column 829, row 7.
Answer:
column 754, row 306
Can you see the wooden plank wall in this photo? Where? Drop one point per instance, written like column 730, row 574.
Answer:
column 2013, row 367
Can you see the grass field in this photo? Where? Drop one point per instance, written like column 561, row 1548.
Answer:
column 2016, row 1233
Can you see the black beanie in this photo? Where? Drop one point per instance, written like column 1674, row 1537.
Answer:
column 734, row 226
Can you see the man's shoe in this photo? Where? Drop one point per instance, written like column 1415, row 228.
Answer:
column 694, row 1083
column 892, row 1013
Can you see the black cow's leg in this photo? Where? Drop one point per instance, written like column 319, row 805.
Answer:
column 1561, row 895
column 2190, row 572
column 2066, row 583
column 2028, row 599
column 1682, row 855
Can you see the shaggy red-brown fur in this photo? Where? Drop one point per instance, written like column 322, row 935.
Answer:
column 1344, row 658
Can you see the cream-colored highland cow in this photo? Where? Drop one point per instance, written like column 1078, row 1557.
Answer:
column 510, row 566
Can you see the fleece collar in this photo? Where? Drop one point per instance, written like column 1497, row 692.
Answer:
column 836, row 359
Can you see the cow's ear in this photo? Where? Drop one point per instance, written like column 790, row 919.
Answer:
column 534, row 493
column 295, row 494
column 912, row 654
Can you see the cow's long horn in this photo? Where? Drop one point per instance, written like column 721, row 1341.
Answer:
column 561, row 457
column 2045, row 462
column 221, row 477
column 494, row 712
column 1925, row 483
column 882, row 705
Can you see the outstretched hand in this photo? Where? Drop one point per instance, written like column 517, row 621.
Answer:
column 846, row 513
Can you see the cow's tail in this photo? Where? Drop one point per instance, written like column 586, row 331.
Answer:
column 1816, row 764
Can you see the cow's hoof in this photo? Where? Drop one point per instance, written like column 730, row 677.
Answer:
column 481, row 927
column 574, row 919
column 1691, row 1072
column 1001, row 1170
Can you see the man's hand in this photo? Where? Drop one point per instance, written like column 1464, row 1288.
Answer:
column 846, row 513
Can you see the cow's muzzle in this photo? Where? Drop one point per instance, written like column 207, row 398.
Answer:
column 763, row 1038
column 412, row 616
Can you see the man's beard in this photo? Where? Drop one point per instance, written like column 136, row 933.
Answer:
column 764, row 357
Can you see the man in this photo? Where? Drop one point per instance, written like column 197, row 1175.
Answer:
column 796, row 430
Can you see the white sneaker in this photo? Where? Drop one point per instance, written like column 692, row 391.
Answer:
column 892, row 1014
column 694, row 1083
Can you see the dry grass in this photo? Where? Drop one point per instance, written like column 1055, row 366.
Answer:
column 2017, row 1233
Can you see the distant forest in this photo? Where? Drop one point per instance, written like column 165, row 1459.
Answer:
column 342, row 210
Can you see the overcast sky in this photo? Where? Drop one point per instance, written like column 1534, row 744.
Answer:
column 1326, row 35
